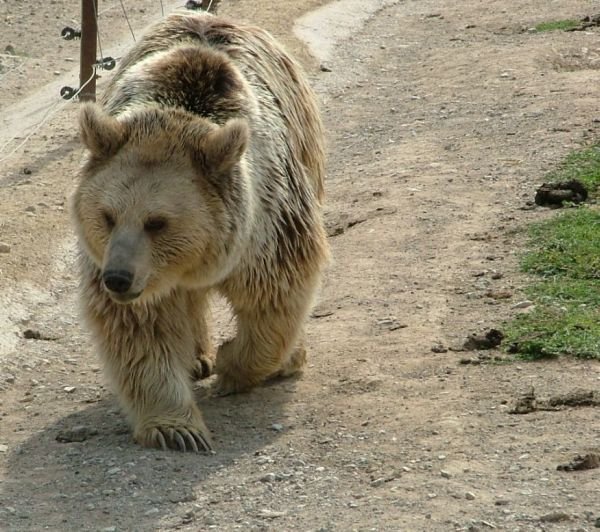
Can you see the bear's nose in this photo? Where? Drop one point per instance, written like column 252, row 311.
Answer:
column 118, row 281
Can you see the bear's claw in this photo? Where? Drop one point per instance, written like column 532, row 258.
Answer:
column 179, row 439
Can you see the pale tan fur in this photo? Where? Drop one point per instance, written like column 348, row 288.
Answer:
column 205, row 172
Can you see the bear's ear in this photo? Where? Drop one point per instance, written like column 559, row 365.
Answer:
column 218, row 150
column 101, row 133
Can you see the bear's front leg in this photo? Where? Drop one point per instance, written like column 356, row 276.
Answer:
column 150, row 354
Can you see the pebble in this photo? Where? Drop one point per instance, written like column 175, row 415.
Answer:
column 4, row 248
column 3, row 448
column 445, row 474
column 269, row 477
column 152, row 511
column 31, row 208
column 109, row 529
column 522, row 304
column 470, row 496
column 10, row 379
column 271, row 514
column 277, row 427
column 69, row 389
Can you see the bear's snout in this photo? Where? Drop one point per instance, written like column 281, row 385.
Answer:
column 118, row 281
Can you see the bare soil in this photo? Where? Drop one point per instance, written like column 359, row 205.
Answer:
column 443, row 117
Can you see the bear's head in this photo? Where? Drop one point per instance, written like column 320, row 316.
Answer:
column 162, row 199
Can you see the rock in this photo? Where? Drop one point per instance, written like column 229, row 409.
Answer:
column 580, row 463
column 439, row 348
column 269, row 477
column 4, row 248
column 555, row 517
column 488, row 340
column 522, row 304
column 555, row 194
column 445, row 474
column 270, row 514
column 31, row 334
column 77, row 434
column 277, row 427
column 498, row 294
column 470, row 496
column 31, row 208
column 10, row 379
column 3, row 448
column 324, row 68
column 69, row 389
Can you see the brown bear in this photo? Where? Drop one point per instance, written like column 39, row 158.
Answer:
column 205, row 172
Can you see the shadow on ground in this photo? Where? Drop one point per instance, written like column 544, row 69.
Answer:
column 109, row 482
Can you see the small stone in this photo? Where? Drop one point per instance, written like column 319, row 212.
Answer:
column 597, row 523
column 31, row 334
column 109, row 529
column 324, row 68
column 113, row 471
column 4, row 248
column 277, row 427
column 445, row 474
column 31, row 208
column 431, row 495
column 69, row 389
column 470, row 496
column 10, row 379
column 269, row 477
column 439, row 348
column 3, row 448
column 9, row 49
column 522, row 304
column 377, row 482
column 27, row 171
column 152, row 511
column 270, row 514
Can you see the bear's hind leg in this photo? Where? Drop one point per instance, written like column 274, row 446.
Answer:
column 268, row 343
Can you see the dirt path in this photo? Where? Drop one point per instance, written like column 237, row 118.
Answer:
column 442, row 116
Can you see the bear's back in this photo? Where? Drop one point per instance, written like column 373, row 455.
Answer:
column 197, row 61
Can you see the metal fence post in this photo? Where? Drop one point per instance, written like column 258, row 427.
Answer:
column 87, row 58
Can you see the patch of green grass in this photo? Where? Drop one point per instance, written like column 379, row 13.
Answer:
column 583, row 165
column 564, row 257
column 566, row 247
column 557, row 25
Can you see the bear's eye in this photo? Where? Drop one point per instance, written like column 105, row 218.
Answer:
column 108, row 220
column 155, row 225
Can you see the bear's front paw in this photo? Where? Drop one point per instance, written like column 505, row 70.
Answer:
column 185, row 437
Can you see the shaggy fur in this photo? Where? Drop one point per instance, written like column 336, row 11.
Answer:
column 205, row 172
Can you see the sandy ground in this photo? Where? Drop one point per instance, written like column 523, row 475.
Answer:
column 443, row 116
